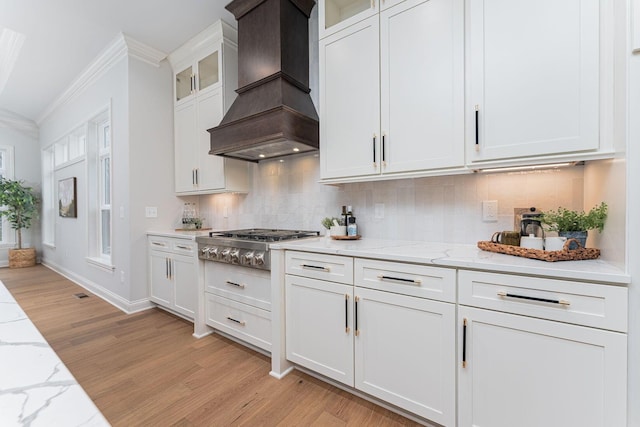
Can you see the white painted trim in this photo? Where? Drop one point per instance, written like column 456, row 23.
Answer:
column 117, row 301
column 635, row 26
column 143, row 52
column 119, row 49
column 100, row 264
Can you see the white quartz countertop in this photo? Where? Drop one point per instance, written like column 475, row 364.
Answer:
column 36, row 388
column 188, row 234
column 459, row 256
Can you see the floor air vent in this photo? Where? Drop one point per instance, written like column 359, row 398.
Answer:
column 81, row 295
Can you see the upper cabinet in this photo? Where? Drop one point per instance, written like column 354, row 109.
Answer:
column 415, row 88
column 534, row 79
column 205, row 79
column 391, row 88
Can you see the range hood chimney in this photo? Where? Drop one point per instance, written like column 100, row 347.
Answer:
column 273, row 115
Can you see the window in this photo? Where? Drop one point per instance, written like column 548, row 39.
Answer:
column 48, row 196
column 104, row 188
column 99, row 197
column 6, row 171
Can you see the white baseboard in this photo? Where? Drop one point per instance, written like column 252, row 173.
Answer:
column 117, row 301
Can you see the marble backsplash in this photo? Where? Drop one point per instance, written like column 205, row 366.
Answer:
column 286, row 194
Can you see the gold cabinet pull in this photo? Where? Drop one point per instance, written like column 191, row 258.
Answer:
column 399, row 279
column 503, row 294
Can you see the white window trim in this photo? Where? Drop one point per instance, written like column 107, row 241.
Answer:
column 8, row 232
column 101, row 264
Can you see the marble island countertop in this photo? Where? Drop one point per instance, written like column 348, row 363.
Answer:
column 460, row 256
column 36, row 388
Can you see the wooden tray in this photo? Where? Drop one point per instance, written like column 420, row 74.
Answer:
column 356, row 237
column 565, row 254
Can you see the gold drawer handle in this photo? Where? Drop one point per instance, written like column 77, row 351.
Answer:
column 503, row 294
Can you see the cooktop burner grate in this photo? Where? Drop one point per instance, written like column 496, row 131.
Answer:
column 264, row 234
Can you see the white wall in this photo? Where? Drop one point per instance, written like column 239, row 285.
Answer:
column 150, row 169
column 140, row 97
column 71, row 247
column 633, row 229
column 26, row 168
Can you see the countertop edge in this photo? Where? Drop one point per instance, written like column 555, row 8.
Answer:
column 461, row 256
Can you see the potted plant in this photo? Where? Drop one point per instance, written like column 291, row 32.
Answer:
column 575, row 225
column 19, row 205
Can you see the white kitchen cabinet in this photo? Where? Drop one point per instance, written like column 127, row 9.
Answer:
column 526, row 357
column 405, row 352
column 320, row 327
column 391, row 92
column 173, row 274
column 534, row 78
column 205, row 72
column 398, row 348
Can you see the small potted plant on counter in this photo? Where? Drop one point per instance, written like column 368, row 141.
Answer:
column 328, row 223
column 19, row 205
column 575, row 225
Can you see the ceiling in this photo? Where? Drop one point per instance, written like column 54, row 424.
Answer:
column 62, row 37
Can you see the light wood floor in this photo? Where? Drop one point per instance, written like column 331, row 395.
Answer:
column 146, row 369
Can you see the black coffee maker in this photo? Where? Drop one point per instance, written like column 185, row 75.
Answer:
column 531, row 223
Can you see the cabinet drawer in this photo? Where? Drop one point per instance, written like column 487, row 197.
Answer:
column 408, row 279
column 331, row 268
column 245, row 285
column 159, row 243
column 185, row 247
column 242, row 321
column 589, row 304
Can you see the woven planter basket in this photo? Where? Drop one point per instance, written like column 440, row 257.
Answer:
column 19, row 258
column 551, row 256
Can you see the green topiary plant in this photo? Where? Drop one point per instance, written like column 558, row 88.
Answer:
column 19, row 205
column 565, row 220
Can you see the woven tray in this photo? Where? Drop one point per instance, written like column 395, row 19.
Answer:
column 551, row 256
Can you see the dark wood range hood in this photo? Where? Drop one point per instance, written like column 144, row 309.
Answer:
column 273, row 115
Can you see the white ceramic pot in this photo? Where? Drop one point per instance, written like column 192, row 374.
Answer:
column 338, row 230
column 554, row 243
column 531, row 242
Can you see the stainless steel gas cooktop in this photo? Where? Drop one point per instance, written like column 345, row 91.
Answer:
column 246, row 247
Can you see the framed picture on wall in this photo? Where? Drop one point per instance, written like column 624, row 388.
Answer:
column 67, row 204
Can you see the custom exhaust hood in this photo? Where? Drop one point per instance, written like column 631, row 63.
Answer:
column 273, row 115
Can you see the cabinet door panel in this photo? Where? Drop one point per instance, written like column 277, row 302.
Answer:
column 405, row 353
column 161, row 283
column 185, row 131
column 350, row 100
column 422, row 82
column 210, row 168
column 185, row 276
column 530, row 372
column 317, row 313
column 534, row 76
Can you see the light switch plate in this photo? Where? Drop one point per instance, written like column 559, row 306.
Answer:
column 379, row 211
column 490, row 210
column 151, row 212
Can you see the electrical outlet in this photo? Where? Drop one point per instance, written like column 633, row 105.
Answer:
column 151, row 212
column 121, row 276
column 490, row 210
column 225, row 212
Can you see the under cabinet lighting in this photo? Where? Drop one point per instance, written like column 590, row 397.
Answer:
column 296, row 149
column 528, row 168
column 262, row 156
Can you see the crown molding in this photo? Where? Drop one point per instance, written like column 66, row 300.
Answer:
column 123, row 46
column 219, row 31
column 10, row 120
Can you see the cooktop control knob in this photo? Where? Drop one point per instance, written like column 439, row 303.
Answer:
column 259, row 258
column 235, row 256
column 225, row 254
column 205, row 252
column 247, row 258
column 214, row 252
